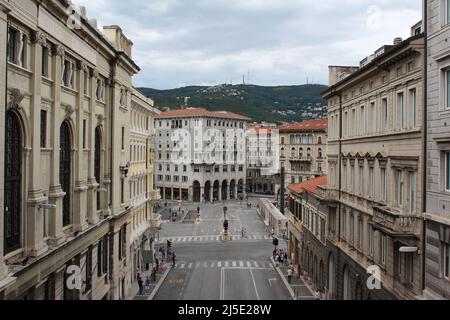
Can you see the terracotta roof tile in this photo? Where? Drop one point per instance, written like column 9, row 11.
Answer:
column 310, row 125
column 201, row 112
column 310, row 185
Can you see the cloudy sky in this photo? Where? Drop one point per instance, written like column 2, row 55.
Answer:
column 208, row 42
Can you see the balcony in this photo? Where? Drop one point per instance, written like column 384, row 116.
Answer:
column 394, row 223
column 328, row 194
column 300, row 159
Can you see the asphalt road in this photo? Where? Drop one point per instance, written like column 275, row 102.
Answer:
column 208, row 268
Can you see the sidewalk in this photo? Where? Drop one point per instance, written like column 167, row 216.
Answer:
column 299, row 289
column 161, row 275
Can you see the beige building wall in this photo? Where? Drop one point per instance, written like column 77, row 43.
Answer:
column 79, row 79
column 374, row 164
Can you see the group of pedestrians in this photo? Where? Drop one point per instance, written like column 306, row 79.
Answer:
column 141, row 283
column 280, row 256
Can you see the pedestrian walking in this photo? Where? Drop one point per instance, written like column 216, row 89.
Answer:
column 274, row 254
column 173, row 258
column 289, row 275
column 154, row 274
column 147, row 283
column 141, row 285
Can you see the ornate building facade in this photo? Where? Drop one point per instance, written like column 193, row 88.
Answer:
column 375, row 156
column 437, row 210
column 67, row 217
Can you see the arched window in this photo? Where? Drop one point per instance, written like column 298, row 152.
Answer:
column 97, row 163
column 282, row 140
column 65, row 177
column 319, row 155
column 293, row 153
column 13, row 183
column 283, row 154
column 308, row 153
column 319, row 140
column 346, row 286
column 301, row 153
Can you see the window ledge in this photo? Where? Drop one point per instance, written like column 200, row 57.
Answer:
column 20, row 69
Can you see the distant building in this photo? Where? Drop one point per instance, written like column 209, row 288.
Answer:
column 303, row 150
column 191, row 161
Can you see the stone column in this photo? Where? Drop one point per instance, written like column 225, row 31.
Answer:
column 202, row 193
column 4, row 9
column 219, row 196
column 236, row 188
column 228, row 192
column 80, row 190
column 56, row 195
column 92, row 184
column 35, row 245
column 211, row 193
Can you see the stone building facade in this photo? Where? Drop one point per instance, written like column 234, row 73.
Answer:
column 262, row 158
column 66, row 221
column 375, row 156
column 191, row 162
column 144, row 222
column 437, row 210
column 303, row 151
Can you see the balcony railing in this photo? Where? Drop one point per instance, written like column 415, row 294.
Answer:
column 395, row 222
column 328, row 193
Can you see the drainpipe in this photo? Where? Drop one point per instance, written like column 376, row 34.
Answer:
column 425, row 143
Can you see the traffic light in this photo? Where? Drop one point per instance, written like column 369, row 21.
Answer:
column 169, row 244
column 225, row 225
column 275, row 242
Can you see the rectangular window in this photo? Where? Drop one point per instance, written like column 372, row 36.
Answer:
column 12, row 45
column 383, row 184
column 448, row 88
column 44, row 62
column 371, row 239
column 361, row 180
column 412, row 191
column 86, row 82
column 352, row 176
column 447, row 261
column 100, row 258
column 401, row 110
column 84, row 134
column 344, row 177
column 362, row 122
column 123, row 138
column 400, row 188
column 384, row 115
column 88, row 270
column 413, row 107
column 448, row 11
column 43, row 128
column 447, row 171
column 371, row 182
column 122, row 190
column 383, row 249
column 361, row 233
column 352, row 227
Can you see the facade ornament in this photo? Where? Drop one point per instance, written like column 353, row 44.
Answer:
column 100, row 119
column 82, row 66
column 59, row 50
column 69, row 110
column 16, row 99
column 39, row 37
column 94, row 73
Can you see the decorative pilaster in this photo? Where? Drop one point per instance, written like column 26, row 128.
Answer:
column 80, row 222
column 36, row 217
column 56, row 195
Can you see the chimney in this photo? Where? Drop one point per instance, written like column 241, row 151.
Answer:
column 83, row 12
column 93, row 23
column 397, row 41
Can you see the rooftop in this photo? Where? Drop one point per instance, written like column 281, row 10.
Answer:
column 310, row 186
column 201, row 112
column 310, row 125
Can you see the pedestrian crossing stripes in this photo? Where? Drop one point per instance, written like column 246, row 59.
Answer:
column 216, row 238
column 183, row 265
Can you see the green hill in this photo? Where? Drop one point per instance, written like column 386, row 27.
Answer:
column 272, row 104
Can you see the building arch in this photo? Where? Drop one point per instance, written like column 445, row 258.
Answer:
column 224, row 190
column 216, row 190
column 196, row 188
column 13, row 182
column 65, row 171
column 346, row 284
column 331, row 277
column 207, row 191
column 233, row 189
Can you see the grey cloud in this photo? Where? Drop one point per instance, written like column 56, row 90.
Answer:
column 185, row 42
